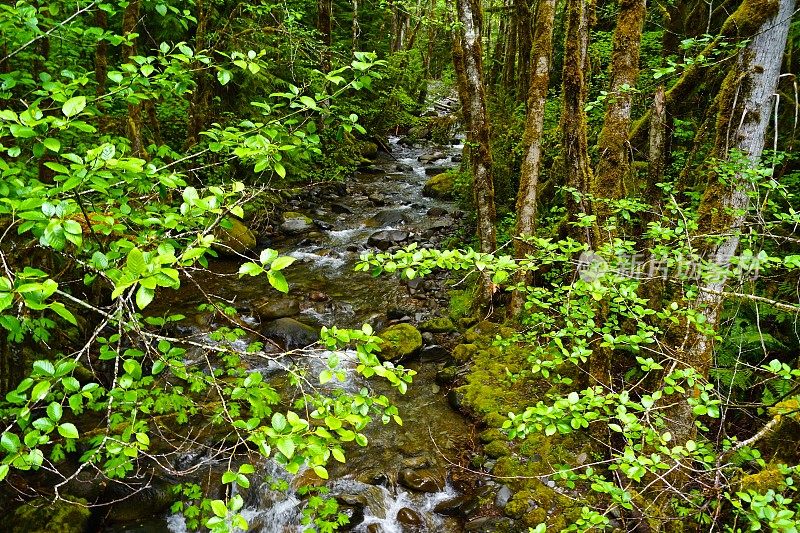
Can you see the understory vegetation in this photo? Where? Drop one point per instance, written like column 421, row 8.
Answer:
column 623, row 283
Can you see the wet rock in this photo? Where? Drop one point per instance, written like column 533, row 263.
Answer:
column 440, row 186
column 294, row 222
column 370, row 170
column 385, row 239
column 307, row 478
column 491, row 524
column 456, row 158
column 341, row 209
column 42, row 515
column 374, row 528
column 387, row 217
column 427, row 337
column 433, row 353
column 438, row 325
column 402, row 167
column 318, row 296
column 446, row 375
column 434, row 171
column 455, row 399
column 276, row 308
column 430, row 158
column 437, row 212
column 152, row 499
column 503, row 496
column 365, row 495
column 291, row 333
column 409, row 517
column 424, row 480
column 463, row 506
column 400, row 342
column 321, row 224
column 377, row 200
column 237, row 239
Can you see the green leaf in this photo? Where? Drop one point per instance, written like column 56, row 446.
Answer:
column 68, row 430
column 73, row 106
column 229, row 477
column 224, row 76
column 3, row 471
column 59, row 309
column 42, row 367
column 279, row 169
column 144, row 296
column 338, row 455
column 282, row 262
column 10, row 442
column 51, row 144
column 219, row 508
column 161, row 9
column 321, row 472
column 308, row 102
column 135, row 262
column 54, row 411
column 277, row 280
column 286, row 446
column 250, row 269
column 40, row 391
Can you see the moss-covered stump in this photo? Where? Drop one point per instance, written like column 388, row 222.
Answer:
column 440, row 186
column 400, row 342
column 46, row 516
column 234, row 240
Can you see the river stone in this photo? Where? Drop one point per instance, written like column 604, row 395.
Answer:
column 463, row 506
column 399, row 342
column 377, row 200
column 437, row 212
column 435, row 171
column 291, row 333
column 385, row 239
column 294, row 222
column 430, row 158
column 433, row 354
column 387, row 217
column 456, row 158
column 423, row 480
column 491, row 524
column 440, row 186
column 270, row 309
column 502, row 497
column 341, row 209
column 42, row 515
column 237, row 239
column 409, row 517
column 402, row 167
column 369, row 150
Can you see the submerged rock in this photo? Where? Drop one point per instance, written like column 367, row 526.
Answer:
column 237, row 239
column 409, row 517
column 294, row 222
column 440, row 186
column 400, row 342
column 270, row 309
column 291, row 333
column 385, row 239
column 43, row 515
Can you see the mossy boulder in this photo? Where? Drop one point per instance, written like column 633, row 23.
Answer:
column 464, row 353
column 769, row 478
column 46, row 516
column 294, row 222
column 400, row 342
column 368, row 149
column 440, row 186
column 234, row 240
column 497, row 448
column 484, row 333
column 438, row 325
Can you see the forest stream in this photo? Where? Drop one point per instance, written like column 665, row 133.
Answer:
column 374, row 484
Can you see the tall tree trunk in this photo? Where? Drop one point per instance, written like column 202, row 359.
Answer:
column 201, row 96
column 324, row 16
column 356, row 28
column 745, row 101
column 509, row 61
column 523, row 14
column 527, row 197
column 130, row 19
column 468, row 61
column 612, row 145
column 573, row 116
column 496, row 69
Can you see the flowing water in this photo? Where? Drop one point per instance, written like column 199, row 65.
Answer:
column 385, row 196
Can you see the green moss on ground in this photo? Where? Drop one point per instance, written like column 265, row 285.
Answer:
column 399, row 342
column 45, row 516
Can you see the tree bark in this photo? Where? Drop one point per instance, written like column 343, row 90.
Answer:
column 130, row 19
column 744, row 102
column 524, row 44
column 324, row 16
column 612, row 145
column 356, row 29
column 573, row 117
column 527, row 197
column 468, row 61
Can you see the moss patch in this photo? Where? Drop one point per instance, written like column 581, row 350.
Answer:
column 44, row 516
column 234, row 240
column 438, row 325
column 400, row 342
column 440, row 186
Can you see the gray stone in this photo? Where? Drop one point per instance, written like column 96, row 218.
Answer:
column 294, row 223
column 291, row 333
column 385, row 239
column 503, row 496
column 270, row 309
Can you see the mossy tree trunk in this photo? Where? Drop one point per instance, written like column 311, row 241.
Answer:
column 468, row 62
column 612, row 145
column 527, row 196
column 324, row 21
column 744, row 104
column 508, row 80
column 578, row 174
column 130, row 20
column 523, row 10
column 201, row 96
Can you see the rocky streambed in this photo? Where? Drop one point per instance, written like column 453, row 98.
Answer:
column 405, row 480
